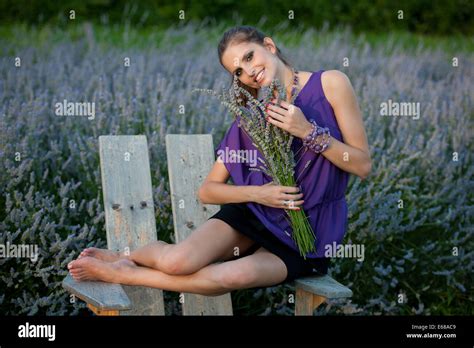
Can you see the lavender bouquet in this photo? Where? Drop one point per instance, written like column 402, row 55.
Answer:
column 274, row 144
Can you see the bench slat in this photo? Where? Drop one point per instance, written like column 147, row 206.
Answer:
column 323, row 286
column 104, row 296
column 126, row 181
column 190, row 158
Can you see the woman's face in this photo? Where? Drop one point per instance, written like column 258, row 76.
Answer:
column 254, row 65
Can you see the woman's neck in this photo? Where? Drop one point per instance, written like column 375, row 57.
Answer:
column 285, row 76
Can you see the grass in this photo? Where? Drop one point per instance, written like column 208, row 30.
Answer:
column 152, row 37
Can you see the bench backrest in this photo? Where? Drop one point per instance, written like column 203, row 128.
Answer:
column 190, row 158
column 129, row 208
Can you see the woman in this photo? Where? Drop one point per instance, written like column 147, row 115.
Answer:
column 246, row 244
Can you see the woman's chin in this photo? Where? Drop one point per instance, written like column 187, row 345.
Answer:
column 264, row 83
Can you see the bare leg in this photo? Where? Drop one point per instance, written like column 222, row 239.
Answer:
column 213, row 241
column 140, row 254
column 257, row 270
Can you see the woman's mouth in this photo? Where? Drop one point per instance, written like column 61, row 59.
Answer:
column 260, row 75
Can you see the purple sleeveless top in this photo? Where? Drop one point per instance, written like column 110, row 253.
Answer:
column 322, row 183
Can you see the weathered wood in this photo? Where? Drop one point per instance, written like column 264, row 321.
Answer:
column 306, row 302
column 102, row 312
column 324, row 286
column 100, row 295
column 129, row 208
column 190, row 158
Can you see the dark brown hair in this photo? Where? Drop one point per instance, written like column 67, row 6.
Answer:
column 239, row 34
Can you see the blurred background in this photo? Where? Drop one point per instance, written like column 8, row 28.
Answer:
column 423, row 16
column 414, row 214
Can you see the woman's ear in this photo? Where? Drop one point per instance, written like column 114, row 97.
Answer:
column 269, row 44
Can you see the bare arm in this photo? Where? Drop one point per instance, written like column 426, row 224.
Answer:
column 215, row 189
column 352, row 155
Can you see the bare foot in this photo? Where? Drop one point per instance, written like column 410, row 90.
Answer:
column 101, row 254
column 91, row 269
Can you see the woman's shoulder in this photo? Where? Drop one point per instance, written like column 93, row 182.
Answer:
column 333, row 81
column 331, row 78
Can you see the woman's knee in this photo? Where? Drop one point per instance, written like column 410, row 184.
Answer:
column 175, row 260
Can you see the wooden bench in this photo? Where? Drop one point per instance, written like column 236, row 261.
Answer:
column 130, row 223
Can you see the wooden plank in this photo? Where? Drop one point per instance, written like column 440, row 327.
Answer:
column 190, row 158
column 324, row 286
column 102, row 312
column 129, row 208
column 103, row 296
column 306, row 302
column 303, row 302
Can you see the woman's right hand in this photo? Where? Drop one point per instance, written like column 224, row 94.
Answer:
column 273, row 195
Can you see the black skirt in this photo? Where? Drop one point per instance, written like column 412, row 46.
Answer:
column 240, row 217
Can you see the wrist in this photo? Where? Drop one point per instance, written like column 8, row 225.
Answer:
column 307, row 130
column 253, row 193
column 318, row 139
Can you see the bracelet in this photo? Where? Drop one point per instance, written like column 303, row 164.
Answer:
column 322, row 133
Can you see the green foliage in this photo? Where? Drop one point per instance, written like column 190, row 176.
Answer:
column 421, row 16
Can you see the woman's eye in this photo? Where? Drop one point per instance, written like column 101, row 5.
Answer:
column 249, row 56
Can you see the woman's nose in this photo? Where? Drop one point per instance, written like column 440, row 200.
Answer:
column 251, row 73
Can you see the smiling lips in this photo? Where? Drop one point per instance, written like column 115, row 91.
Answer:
column 259, row 76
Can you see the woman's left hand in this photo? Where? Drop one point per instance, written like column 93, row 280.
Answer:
column 288, row 117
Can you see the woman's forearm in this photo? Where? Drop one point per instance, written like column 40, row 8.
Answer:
column 221, row 193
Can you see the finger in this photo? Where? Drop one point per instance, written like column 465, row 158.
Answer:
column 282, row 103
column 295, row 205
column 282, row 206
column 274, row 113
column 291, row 202
column 290, row 189
column 272, row 120
column 278, row 108
column 292, row 196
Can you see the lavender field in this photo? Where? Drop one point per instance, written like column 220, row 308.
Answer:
column 414, row 214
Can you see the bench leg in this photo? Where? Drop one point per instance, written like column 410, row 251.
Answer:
column 101, row 311
column 306, row 302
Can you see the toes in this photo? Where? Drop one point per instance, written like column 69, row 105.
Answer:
column 78, row 275
column 76, row 264
column 77, row 278
column 84, row 253
column 82, row 276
